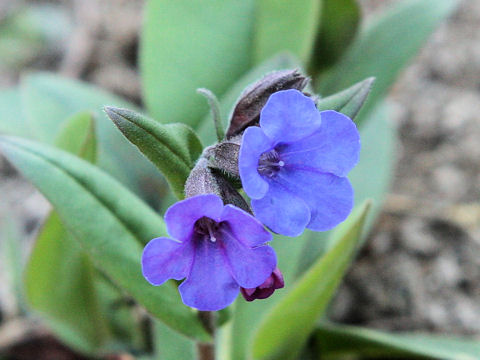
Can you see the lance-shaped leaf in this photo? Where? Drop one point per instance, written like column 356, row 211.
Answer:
column 277, row 28
column 385, row 46
column 339, row 341
column 12, row 121
column 48, row 100
column 349, row 101
column 191, row 44
column 173, row 148
column 287, row 326
column 110, row 223
column 338, row 26
column 59, row 278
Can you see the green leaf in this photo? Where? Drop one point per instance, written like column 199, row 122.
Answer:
column 77, row 136
column 173, row 148
column 349, row 101
column 278, row 29
column 111, row 224
column 339, row 24
column 248, row 315
column 60, row 278
column 338, row 341
column 372, row 176
column 48, row 100
column 206, row 129
column 12, row 259
column 385, row 47
column 287, row 326
column 59, row 282
column 12, row 121
column 170, row 345
column 191, row 44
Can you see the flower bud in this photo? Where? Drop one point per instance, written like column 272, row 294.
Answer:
column 254, row 98
column 224, row 156
column 204, row 180
column 273, row 282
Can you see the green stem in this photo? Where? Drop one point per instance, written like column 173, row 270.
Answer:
column 215, row 108
column 206, row 351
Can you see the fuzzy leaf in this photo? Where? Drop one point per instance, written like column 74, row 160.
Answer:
column 59, row 278
column 339, row 341
column 288, row 324
column 349, row 101
column 172, row 148
column 191, row 44
column 278, row 29
column 48, row 100
column 12, row 121
column 385, row 46
column 338, row 27
column 110, row 223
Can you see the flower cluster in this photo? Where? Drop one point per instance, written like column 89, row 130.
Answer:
column 293, row 166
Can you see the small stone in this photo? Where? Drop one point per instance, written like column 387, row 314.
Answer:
column 450, row 182
column 416, row 236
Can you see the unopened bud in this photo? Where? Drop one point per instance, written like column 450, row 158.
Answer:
column 205, row 180
column 273, row 282
column 254, row 98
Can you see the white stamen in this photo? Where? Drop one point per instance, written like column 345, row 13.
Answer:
column 281, row 163
column 212, row 238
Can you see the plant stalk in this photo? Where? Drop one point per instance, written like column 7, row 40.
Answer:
column 206, row 351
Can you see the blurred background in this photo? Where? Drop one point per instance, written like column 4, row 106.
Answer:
column 420, row 268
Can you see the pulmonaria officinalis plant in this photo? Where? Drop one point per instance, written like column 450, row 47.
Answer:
column 292, row 165
column 294, row 161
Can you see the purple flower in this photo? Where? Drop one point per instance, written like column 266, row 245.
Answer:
column 294, row 165
column 217, row 248
column 265, row 290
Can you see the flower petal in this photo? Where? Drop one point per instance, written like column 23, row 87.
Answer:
column 288, row 116
column 181, row 216
column 250, row 267
column 333, row 148
column 329, row 197
column 164, row 259
column 245, row 227
column 282, row 211
column 254, row 144
column 210, row 286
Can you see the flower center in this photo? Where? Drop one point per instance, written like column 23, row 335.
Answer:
column 269, row 163
column 206, row 228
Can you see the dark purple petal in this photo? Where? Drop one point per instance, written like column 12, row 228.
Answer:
column 250, row 267
column 289, row 116
column 265, row 290
column 165, row 259
column 282, row 211
column 181, row 216
column 334, row 148
column 245, row 227
column 329, row 197
column 210, row 286
column 254, row 144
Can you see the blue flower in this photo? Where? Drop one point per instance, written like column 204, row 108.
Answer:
column 217, row 248
column 294, row 165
